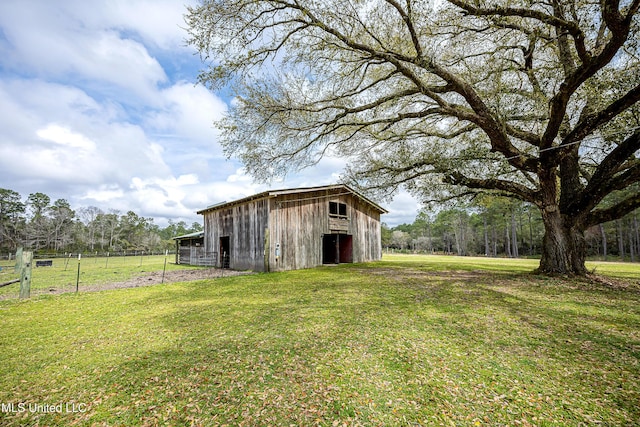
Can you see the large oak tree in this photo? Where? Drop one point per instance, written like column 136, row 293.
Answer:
column 535, row 100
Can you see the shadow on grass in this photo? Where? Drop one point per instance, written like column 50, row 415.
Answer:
column 318, row 347
column 373, row 346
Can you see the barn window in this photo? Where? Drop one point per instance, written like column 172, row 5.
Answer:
column 337, row 210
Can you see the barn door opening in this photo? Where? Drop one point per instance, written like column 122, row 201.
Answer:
column 225, row 252
column 337, row 248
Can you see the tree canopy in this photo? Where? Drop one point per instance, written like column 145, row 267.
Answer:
column 534, row 100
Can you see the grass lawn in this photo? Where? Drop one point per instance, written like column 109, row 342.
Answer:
column 63, row 275
column 410, row 340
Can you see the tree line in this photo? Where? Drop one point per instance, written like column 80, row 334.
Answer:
column 499, row 227
column 37, row 223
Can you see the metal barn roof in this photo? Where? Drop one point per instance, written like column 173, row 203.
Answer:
column 197, row 234
column 276, row 193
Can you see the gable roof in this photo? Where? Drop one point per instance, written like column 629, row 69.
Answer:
column 275, row 193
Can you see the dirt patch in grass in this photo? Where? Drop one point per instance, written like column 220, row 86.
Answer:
column 402, row 275
column 589, row 282
column 594, row 280
column 152, row 278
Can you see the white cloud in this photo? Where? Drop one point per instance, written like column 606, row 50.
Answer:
column 162, row 25
column 122, row 62
column 183, row 124
column 160, row 196
column 240, row 176
column 65, row 137
column 403, row 210
column 52, row 39
column 189, row 110
column 104, row 193
column 63, row 134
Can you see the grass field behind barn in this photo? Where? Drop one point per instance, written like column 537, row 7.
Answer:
column 410, row 340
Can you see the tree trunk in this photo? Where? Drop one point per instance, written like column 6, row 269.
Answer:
column 507, row 241
column 604, row 242
column 514, row 235
column 632, row 251
column 563, row 246
column 620, row 240
column 494, row 238
column 486, row 237
column 530, row 234
column 637, row 233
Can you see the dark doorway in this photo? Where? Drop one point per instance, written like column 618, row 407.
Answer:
column 329, row 253
column 225, row 252
column 337, row 248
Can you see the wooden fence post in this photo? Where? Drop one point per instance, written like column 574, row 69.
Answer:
column 19, row 259
column 25, row 274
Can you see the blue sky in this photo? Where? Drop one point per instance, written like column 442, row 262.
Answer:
column 99, row 106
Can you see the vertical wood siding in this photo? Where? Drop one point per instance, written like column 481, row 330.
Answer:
column 299, row 221
column 245, row 225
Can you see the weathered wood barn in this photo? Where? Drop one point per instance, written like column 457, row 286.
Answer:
column 293, row 229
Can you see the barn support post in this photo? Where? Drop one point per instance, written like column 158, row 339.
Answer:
column 25, row 274
column 267, row 250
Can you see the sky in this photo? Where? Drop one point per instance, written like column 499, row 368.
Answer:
column 99, row 106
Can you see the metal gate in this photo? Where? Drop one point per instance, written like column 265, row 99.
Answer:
column 198, row 256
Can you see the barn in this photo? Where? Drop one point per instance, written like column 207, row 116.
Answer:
column 293, row 228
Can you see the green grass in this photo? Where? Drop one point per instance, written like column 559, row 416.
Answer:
column 64, row 272
column 410, row 340
column 622, row 270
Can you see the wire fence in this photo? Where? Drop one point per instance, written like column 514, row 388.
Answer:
column 87, row 254
column 84, row 273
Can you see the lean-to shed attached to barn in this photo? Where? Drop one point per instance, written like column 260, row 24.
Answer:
column 190, row 250
column 294, row 228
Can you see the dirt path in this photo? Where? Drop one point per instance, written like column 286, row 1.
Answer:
column 155, row 278
column 149, row 279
